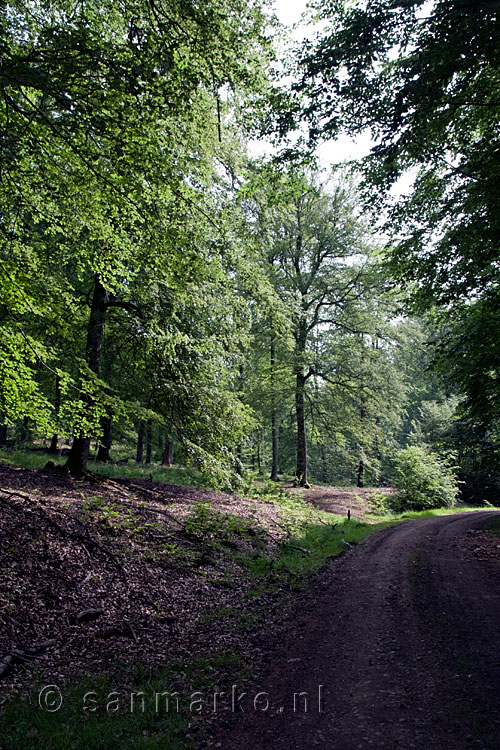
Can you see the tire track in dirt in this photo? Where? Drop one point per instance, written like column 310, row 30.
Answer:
column 402, row 634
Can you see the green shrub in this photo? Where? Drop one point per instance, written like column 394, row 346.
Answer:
column 424, row 480
column 380, row 503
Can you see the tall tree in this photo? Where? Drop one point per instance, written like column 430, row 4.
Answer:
column 110, row 115
column 321, row 271
column 423, row 80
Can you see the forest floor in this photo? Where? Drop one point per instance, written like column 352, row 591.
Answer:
column 340, row 500
column 140, row 584
column 118, row 586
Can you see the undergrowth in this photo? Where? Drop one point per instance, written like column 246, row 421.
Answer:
column 279, row 557
column 127, row 709
column 37, row 459
column 493, row 526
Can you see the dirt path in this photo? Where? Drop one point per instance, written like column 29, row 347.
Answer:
column 402, row 633
column 339, row 500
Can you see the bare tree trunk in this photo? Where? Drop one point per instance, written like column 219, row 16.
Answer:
column 57, row 406
column 301, row 471
column 300, row 412
column 360, row 474
column 140, row 442
column 280, row 442
column 79, row 453
column 168, row 453
column 3, row 431
column 105, row 444
column 148, row 441
column 274, row 419
column 324, row 465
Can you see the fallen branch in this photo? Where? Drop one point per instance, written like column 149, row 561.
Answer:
column 27, row 654
column 331, row 526
column 157, row 511
column 123, row 629
column 86, row 615
column 85, row 580
column 83, row 539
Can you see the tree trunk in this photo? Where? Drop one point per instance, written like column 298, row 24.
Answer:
column 79, row 453
column 275, row 447
column 148, row 441
column 57, row 406
column 301, row 472
column 360, row 474
column 168, row 453
column 26, row 432
column 53, row 444
column 105, row 444
column 140, row 442
column 274, row 419
column 3, row 433
column 300, row 412
column 280, row 442
column 324, row 465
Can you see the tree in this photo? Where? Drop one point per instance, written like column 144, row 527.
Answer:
column 424, row 82
column 320, row 271
column 467, row 357
column 112, row 120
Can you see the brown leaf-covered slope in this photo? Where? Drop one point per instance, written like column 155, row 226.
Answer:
column 92, row 573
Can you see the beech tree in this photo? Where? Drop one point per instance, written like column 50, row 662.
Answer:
column 112, row 117
column 423, row 81
column 320, row 270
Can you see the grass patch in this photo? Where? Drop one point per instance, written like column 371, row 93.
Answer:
column 96, row 713
column 493, row 526
column 305, row 553
column 316, row 536
column 36, row 459
column 28, row 459
column 409, row 515
column 119, row 711
column 312, row 538
column 153, row 472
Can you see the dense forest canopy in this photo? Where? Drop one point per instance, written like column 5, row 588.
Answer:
column 165, row 293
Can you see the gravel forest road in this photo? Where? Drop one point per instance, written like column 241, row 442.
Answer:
column 397, row 643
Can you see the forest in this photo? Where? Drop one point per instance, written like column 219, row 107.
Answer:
column 192, row 292
column 160, row 288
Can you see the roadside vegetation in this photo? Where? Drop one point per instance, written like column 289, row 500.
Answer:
column 221, row 571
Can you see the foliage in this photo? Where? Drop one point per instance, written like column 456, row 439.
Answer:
column 424, row 82
column 113, row 122
column 380, row 503
column 153, row 279
column 322, row 263
column 424, row 480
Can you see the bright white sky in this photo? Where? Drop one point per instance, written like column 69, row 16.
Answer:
column 289, row 11
column 344, row 148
